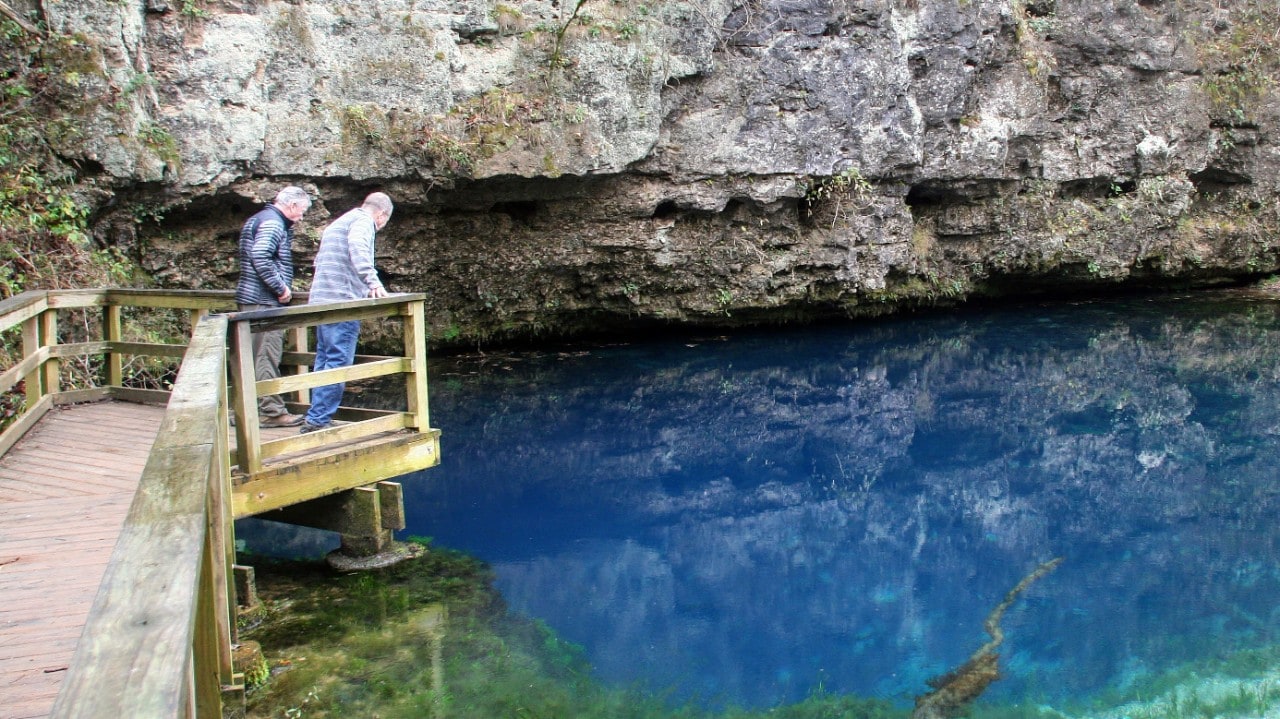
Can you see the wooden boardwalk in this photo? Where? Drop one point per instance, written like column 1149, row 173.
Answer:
column 65, row 489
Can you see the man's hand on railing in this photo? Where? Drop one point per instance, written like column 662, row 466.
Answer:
column 287, row 297
column 377, row 292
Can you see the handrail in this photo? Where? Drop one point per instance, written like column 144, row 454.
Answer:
column 36, row 314
column 157, row 642
column 251, row 451
column 174, row 548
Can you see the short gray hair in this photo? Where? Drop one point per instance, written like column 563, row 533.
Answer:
column 379, row 201
column 293, row 196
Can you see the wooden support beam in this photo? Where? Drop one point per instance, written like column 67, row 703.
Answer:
column 355, row 511
column 275, row 487
column 391, row 495
column 246, row 586
column 359, row 511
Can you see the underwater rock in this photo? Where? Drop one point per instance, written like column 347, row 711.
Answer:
column 394, row 554
column 954, row 691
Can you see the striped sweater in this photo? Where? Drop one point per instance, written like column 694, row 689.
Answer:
column 344, row 263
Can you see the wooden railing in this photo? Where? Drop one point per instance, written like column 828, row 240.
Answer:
column 251, row 451
column 36, row 314
column 158, row 639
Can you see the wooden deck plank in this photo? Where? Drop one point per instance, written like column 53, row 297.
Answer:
column 64, row 491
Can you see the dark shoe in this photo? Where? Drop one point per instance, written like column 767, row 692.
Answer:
column 282, row 420
column 308, row 428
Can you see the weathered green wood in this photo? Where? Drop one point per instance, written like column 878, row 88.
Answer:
column 291, row 383
column 157, row 299
column 20, row 308
column 138, row 395
column 77, row 299
column 222, row 547
column 150, row 349
column 218, row 300
column 244, row 400
column 300, row 315
column 91, row 394
column 355, row 511
column 124, row 663
column 172, row 643
column 25, row 369
column 75, row 349
column 113, row 332
column 146, row 607
column 277, row 487
column 25, row 422
column 415, row 348
column 30, row 347
column 50, row 382
column 391, row 497
column 206, row 656
column 388, row 422
column 297, row 359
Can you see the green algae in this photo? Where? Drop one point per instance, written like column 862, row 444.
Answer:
column 378, row 644
column 432, row 638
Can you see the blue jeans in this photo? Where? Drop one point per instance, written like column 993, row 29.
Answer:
column 335, row 347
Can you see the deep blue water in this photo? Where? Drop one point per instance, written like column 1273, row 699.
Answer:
column 746, row 519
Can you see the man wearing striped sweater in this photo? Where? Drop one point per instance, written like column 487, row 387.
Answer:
column 344, row 271
column 266, row 281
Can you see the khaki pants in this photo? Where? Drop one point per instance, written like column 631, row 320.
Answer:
column 268, row 348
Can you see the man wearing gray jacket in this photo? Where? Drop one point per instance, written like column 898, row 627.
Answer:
column 344, row 271
column 266, row 281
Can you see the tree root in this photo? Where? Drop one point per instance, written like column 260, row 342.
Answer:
column 954, row 691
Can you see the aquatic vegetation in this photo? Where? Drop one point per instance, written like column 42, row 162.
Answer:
column 954, row 691
column 379, row 644
column 432, row 638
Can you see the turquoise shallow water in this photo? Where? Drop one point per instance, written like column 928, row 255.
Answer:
column 750, row 518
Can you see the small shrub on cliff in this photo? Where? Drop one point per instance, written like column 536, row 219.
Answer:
column 833, row 192
column 44, row 234
column 1240, row 51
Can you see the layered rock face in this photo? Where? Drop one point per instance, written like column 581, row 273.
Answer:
column 581, row 165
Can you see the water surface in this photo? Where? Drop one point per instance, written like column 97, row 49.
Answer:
column 747, row 519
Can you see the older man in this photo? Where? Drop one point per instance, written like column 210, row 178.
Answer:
column 344, row 271
column 266, row 281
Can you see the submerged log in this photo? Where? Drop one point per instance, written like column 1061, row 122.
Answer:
column 954, row 691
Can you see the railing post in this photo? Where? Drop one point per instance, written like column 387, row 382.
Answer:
column 49, row 338
column 31, row 345
column 245, row 399
column 222, row 544
column 112, row 332
column 415, row 349
column 296, row 341
column 196, row 315
column 206, row 650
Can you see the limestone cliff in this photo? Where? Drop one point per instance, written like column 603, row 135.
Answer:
column 577, row 165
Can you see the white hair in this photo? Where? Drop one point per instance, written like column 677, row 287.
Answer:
column 293, row 196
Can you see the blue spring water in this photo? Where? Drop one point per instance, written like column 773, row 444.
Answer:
column 747, row 519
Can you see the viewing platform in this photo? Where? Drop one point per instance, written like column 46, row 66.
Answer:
column 118, row 496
